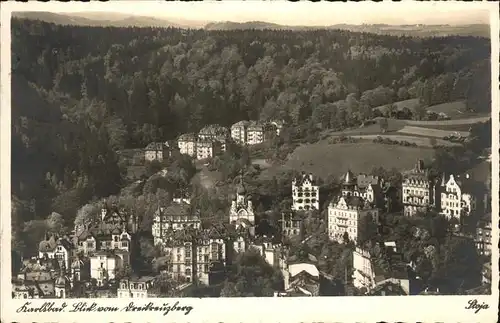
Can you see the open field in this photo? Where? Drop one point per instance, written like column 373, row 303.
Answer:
column 420, row 141
column 323, row 159
column 465, row 121
column 453, row 110
column 393, row 125
column 429, row 132
column 410, row 104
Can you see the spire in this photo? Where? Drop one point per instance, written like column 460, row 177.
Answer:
column 349, row 177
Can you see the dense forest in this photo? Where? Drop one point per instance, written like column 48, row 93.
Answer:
column 79, row 94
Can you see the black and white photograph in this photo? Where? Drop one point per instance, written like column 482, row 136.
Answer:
column 250, row 150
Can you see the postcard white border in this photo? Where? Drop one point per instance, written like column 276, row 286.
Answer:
column 324, row 309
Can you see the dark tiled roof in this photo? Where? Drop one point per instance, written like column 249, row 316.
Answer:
column 156, row 146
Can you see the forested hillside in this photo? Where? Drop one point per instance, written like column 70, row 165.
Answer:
column 81, row 93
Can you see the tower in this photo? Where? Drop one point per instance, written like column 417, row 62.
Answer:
column 62, row 285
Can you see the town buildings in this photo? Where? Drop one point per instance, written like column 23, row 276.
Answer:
column 60, row 249
column 174, row 217
column 156, row 151
column 135, row 287
column 344, row 217
column 214, row 132
column 255, row 133
column 305, row 192
column 187, row 144
column 384, row 274
column 207, row 148
column 249, row 132
column 457, row 196
column 239, row 132
column 483, row 235
column 366, row 186
column 419, row 190
column 291, row 224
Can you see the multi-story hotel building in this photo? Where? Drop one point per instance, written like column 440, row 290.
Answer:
column 215, row 132
column 483, row 235
column 156, row 151
column 419, row 190
column 291, row 224
column 305, row 193
column 239, row 132
column 176, row 216
column 207, row 148
column 255, row 133
column 457, row 196
column 366, row 186
column 187, row 144
column 344, row 216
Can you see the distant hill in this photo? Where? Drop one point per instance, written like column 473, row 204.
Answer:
column 396, row 30
column 113, row 21
column 122, row 20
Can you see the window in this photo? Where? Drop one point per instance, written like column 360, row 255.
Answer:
column 188, row 252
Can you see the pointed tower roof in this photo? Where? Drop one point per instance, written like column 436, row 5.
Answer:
column 349, row 177
column 240, row 189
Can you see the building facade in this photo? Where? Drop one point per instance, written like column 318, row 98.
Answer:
column 241, row 211
column 366, row 186
column 156, row 151
column 135, row 288
column 176, row 216
column 344, row 216
column 255, row 133
column 207, row 148
column 419, row 191
column 239, row 132
column 305, row 193
column 215, row 132
column 291, row 224
column 456, row 196
column 483, row 236
column 187, row 144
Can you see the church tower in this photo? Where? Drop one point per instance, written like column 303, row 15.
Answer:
column 241, row 211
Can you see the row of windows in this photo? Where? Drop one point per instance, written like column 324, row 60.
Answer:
column 418, row 192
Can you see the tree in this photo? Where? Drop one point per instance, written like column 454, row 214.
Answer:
column 86, row 215
column 384, row 124
column 55, row 223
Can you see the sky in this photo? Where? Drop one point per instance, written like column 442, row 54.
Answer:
column 296, row 13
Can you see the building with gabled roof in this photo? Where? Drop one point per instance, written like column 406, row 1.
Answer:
column 176, row 216
column 344, row 214
column 187, row 144
column 457, row 195
column 420, row 191
column 156, row 151
column 368, row 187
column 214, row 132
column 305, row 193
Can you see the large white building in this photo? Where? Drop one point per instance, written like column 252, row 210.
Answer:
column 187, row 144
column 135, row 288
column 457, row 196
column 105, row 264
column 305, row 193
column 419, row 190
column 344, row 216
column 255, row 133
column 241, row 211
column 239, row 132
column 207, row 148
column 188, row 261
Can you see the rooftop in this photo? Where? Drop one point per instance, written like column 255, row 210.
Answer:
column 156, row 146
